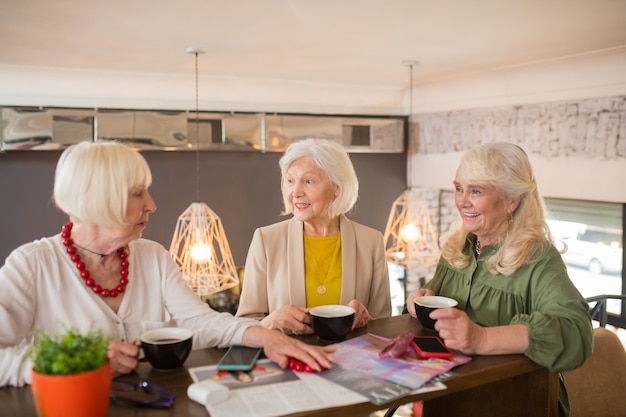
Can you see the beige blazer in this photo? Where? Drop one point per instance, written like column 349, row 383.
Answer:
column 274, row 270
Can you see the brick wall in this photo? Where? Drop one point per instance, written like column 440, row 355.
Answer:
column 443, row 214
column 594, row 128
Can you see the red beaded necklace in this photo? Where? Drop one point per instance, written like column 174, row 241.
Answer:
column 66, row 235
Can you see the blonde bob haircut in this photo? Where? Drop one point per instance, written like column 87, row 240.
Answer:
column 94, row 179
column 333, row 159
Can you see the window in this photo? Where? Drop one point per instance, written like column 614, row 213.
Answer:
column 594, row 235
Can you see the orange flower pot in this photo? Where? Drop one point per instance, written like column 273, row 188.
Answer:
column 79, row 395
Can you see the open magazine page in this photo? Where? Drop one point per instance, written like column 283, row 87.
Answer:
column 361, row 354
column 378, row 391
column 269, row 391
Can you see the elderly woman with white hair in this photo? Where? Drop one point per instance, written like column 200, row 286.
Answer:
column 99, row 272
column 318, row 256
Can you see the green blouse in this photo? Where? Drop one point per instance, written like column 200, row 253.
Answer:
column 539, row 294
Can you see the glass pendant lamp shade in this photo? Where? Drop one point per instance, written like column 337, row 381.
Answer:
column 200, row 247
column 409, row 238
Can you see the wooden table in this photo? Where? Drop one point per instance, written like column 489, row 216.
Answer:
column 506, row 385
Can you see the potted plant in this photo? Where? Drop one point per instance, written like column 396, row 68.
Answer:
column 71, row 374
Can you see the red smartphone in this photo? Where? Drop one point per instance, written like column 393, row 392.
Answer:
column 431, row 347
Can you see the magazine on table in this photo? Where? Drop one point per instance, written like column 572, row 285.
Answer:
column 377, row 391
column 361, row 354
column 269, row 391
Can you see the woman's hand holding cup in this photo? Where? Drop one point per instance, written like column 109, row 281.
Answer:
column 290, row 320
column 410, row 302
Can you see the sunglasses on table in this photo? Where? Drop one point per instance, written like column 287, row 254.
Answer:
column 140, row 393
column 398, row 346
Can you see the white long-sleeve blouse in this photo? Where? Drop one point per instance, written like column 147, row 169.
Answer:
column 40, row 289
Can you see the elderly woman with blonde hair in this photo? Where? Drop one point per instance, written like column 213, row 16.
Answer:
column 501, row 266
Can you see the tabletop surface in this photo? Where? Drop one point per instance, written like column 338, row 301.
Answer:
column 480, row 370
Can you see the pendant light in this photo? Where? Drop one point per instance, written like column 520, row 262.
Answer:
column 199, row 244
column 409, row 237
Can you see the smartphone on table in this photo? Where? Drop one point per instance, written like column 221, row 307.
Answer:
column 431, row 347
column 239, row 358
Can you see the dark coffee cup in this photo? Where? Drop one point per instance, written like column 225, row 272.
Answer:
column 332, row 322
column 167, row 348
column 429, row 303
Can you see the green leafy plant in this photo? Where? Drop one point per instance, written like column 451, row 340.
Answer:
column 69, row 353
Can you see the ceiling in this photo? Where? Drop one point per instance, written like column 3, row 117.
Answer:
column 306, row 45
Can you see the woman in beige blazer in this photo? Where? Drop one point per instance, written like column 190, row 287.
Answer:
column 318, row 256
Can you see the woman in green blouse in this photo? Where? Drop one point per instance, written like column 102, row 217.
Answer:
column 499, row 263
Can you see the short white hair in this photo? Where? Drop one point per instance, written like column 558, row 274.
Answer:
column 94, row 179
column 332, row 158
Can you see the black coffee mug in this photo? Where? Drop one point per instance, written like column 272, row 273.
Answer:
column 332, row 322
column 429, row 303
column 167, row 348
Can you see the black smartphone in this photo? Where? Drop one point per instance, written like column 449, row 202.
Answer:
column 239, row 358
column 431, row 347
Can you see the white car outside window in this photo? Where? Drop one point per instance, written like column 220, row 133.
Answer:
column 596, row 248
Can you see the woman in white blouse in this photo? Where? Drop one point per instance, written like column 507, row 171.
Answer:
column 99, row 272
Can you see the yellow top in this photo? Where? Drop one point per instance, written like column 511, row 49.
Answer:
column 322, row 270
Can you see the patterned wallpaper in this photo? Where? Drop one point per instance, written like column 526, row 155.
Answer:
column 594, row 128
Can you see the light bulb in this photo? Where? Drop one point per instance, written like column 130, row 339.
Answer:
column 200, row 252
column 410, row 233
column 399, row 255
